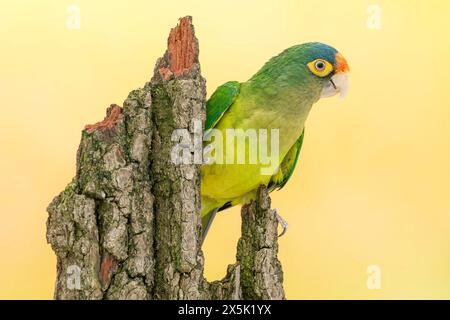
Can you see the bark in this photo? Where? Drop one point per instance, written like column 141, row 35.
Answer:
column 128, row 225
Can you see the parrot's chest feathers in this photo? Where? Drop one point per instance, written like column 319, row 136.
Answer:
column 236, row 179
column 288, row 117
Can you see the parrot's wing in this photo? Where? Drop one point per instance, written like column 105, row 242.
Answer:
column 220, row 101
column 287, row 167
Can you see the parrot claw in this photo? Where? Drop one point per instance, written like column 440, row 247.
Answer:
column 281, row 221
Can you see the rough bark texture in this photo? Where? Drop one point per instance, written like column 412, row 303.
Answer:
column 128, row 225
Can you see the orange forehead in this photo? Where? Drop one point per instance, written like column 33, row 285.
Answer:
column 341, row 64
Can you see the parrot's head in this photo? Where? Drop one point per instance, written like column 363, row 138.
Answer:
column 313, row 69
column 327, row 66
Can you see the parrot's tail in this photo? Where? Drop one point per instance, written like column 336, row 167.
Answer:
column 207, row 221
column 208, row 213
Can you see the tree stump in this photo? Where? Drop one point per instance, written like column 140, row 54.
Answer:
column 128, row 225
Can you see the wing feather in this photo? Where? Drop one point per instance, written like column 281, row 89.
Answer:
column 287, row 166
column 220, row 101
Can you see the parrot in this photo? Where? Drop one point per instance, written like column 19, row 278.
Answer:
column 279, row 96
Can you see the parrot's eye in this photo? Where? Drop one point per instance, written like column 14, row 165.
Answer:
column 320, row 67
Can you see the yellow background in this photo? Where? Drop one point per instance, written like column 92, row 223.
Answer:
column 373, row 183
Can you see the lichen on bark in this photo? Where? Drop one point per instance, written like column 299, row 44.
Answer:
column 128, row 225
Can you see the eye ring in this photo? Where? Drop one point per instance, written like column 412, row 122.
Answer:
column 320, row 67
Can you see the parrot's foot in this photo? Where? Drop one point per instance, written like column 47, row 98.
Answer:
column 281, row 221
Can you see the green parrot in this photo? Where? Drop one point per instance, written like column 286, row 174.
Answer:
column 279, row 96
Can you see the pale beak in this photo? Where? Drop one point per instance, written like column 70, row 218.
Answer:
column 337, row 84
column 339, row 81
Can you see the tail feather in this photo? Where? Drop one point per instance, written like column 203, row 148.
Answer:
column 210, row 207
column 207, row 221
